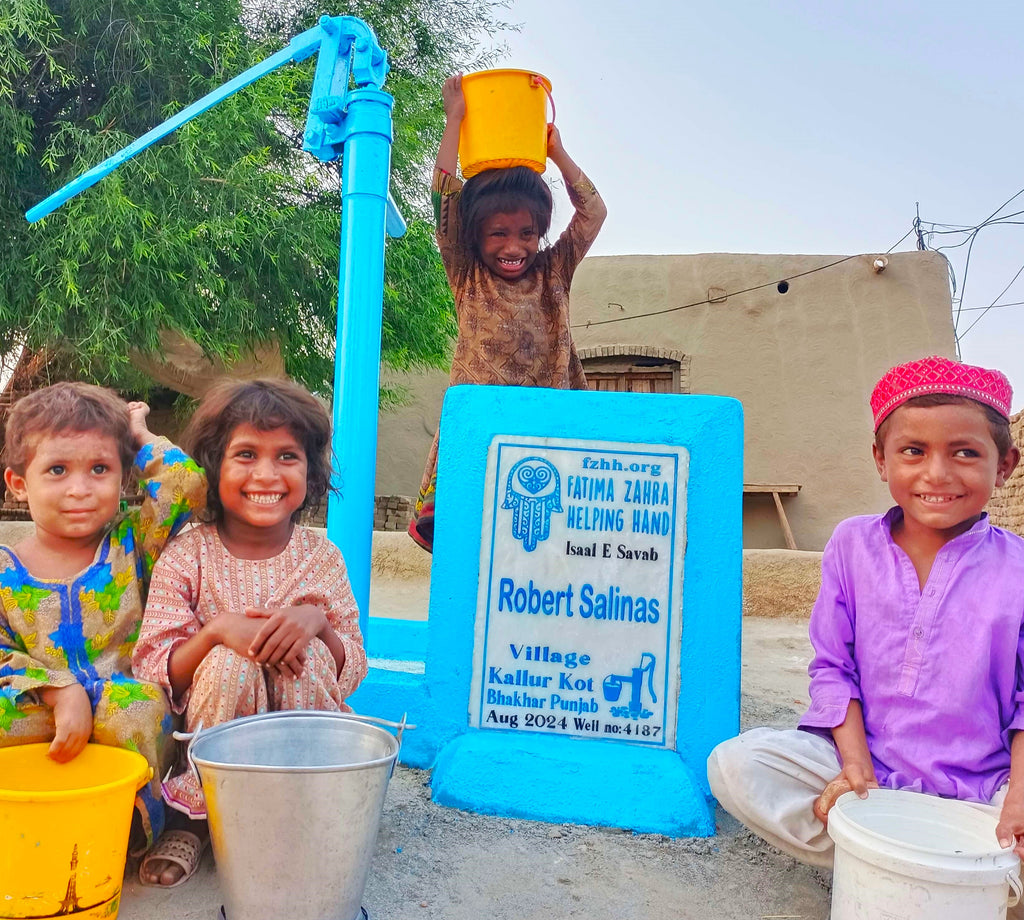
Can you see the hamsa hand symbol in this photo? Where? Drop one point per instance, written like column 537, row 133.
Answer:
column 532, row 493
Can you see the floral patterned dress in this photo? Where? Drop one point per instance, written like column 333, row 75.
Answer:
column 58, row 632
column 511, row 333
column 198, row 579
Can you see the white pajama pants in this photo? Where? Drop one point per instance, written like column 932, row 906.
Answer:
column 769, row 780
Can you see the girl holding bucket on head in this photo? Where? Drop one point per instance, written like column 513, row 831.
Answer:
column 511, row 295
column 249, row 612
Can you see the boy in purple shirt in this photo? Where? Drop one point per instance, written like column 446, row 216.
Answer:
column 917, row 680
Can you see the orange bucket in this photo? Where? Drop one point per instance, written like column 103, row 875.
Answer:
column 64, row 830
column 506, row 121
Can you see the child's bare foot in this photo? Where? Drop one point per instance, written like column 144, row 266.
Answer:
column 175, row 856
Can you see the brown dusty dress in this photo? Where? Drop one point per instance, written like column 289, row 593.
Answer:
column 511, row 333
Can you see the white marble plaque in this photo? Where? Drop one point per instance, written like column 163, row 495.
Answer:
column 579, row 607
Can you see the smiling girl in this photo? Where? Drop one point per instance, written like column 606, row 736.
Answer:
column 511, row 295
column 249, row 612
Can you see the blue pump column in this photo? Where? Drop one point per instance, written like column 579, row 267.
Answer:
column 366, row 163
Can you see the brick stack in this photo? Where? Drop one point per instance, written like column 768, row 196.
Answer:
column 392, row 512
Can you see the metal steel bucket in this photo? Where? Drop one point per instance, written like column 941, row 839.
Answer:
column 294, row 801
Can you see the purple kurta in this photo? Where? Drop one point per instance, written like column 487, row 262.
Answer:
column 938, row 671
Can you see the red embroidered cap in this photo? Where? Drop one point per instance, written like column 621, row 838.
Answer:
column 939, row 375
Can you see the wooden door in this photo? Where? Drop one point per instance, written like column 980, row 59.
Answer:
column 634, row 380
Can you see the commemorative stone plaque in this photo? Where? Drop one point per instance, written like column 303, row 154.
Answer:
column 579, row 605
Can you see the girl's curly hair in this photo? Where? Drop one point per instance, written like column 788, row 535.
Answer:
column 265, row 404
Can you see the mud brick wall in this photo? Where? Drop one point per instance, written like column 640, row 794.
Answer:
column 1006, row 508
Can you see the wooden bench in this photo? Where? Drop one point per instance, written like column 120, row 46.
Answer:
column 776, row 490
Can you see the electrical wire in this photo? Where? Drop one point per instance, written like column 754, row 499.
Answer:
column 756, row 287
column 994, row 302
column 967, row 262
column 994, row 306
column 955, row 229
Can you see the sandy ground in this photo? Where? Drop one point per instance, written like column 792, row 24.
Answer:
column 434, row 862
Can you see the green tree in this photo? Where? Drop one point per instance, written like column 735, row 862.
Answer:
column 225, row 232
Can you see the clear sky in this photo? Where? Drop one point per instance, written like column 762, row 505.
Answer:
column 801, row 126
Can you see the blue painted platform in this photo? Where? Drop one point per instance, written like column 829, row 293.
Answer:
column 558, row 778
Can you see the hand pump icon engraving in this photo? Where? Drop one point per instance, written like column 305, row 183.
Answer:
column 613, row 684
column 349, row 117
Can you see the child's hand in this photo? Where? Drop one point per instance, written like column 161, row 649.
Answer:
column 282, row 640
column 137, row 412
column 72, row 714
column 555, row 148
column 453, row 98
column 236, row 632
column 854, row 778
column 1010, row 829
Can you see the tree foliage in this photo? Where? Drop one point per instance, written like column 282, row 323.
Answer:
column 225, row 232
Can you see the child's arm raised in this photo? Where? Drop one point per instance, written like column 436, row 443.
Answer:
column 445, row 185
column 174, row 488
column 590, row 210
column 454, row 112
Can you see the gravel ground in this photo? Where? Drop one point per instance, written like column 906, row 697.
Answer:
column 434, row 862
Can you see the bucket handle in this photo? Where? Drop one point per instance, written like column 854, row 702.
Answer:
column 145, row 780
column 401, row 726
column 537, row 80
column 1013, row 880
column 192, row 737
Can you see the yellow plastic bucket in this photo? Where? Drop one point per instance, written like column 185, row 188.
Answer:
column 64, row 830
column 506, row 121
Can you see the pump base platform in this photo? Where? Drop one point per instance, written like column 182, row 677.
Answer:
column 570, row 780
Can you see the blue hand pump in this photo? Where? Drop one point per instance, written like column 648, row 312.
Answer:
column 349, row 116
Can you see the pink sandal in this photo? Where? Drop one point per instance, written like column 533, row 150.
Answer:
column 183, row 848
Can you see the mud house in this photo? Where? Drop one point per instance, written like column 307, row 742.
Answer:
column 800, row 340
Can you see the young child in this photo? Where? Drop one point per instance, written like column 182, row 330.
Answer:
column 917, row 632
column 250, row 612
column 511, row 296
column 72, row 593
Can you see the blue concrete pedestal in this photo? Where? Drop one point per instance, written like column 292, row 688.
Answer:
column 572, row 780
column 428, row 672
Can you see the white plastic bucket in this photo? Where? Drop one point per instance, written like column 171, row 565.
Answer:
column 908, row 856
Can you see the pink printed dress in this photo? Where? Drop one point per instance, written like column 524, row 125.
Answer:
column 198, row 579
